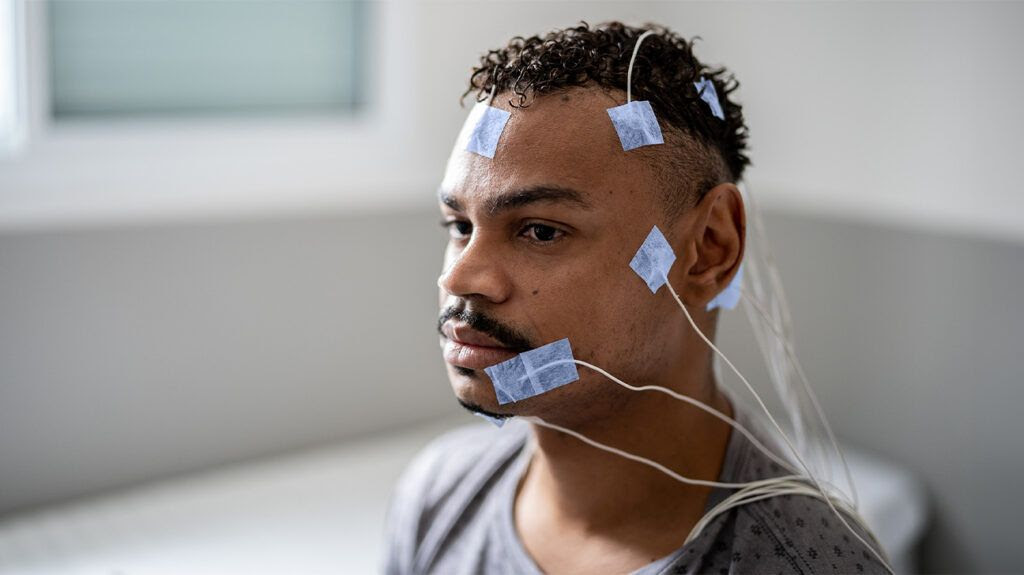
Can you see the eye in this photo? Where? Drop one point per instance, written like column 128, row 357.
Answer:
column 458, row 229
column 542, row 233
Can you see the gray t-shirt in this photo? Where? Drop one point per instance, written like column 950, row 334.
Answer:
column 452, row 513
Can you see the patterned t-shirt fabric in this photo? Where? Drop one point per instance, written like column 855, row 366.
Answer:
column 451, row 513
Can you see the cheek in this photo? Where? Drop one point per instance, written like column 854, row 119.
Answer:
column 607, row 318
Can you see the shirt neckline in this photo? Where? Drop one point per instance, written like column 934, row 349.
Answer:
column 523, row 562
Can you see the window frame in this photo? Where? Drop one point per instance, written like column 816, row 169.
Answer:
column 98, row 171
column 12, row 61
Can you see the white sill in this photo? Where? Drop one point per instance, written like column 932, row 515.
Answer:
column 92, row 173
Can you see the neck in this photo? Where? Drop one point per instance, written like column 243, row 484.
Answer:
column 580, row 486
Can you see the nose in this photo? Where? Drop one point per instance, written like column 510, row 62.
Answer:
column 475, row 272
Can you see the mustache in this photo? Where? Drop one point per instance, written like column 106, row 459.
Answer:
column 506, row 336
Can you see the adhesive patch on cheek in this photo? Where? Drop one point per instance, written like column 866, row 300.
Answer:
column 533, row 372
column 709, row 95
column 636, row 124
column 485, row 124
column 730, row 296
column 497, row 421
column 653, row 260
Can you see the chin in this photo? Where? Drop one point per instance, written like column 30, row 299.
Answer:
column 473, row 386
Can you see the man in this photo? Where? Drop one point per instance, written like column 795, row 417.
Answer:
column 541, row 236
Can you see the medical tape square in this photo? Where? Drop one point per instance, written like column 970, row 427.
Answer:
column 730, row 296
column 497, row 421
column 533, row 372
column 653, row 260
column 487, row 124
column 708, row 93
column 636, row 124
column 505, row 377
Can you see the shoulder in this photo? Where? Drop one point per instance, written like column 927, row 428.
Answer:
column 450, row 458
column 801, row 534
column 788, row 533
column 440, row 482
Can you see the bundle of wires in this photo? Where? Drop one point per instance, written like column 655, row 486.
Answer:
column 811, row 472
column 767, row 311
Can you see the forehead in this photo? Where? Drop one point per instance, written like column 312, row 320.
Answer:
column 564, row 140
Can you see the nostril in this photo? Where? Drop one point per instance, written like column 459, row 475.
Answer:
column 475, row 273
column 443, row 278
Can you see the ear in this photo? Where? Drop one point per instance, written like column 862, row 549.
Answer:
column 714, row 235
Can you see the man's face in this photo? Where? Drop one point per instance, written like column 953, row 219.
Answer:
column 540, row 242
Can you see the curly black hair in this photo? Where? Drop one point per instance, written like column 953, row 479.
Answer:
column 707, row 150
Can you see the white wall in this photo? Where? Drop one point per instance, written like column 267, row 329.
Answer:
column 904, row 112
column 134, row 353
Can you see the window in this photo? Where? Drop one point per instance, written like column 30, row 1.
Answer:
column 12, row 73
column 167, row 109
column 112, row 58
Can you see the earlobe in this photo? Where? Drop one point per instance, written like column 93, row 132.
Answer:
column 715, row 243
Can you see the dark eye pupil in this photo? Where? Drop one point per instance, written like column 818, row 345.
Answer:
column 462, row 227
column 544, row 233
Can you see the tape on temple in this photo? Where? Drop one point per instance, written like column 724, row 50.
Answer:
column 706, row 90
column 533, row 372
column 653, row 260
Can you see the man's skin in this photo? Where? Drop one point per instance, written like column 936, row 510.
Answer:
column 554, row 268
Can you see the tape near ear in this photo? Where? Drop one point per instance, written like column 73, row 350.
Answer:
column 653, row 260
column 730, row 296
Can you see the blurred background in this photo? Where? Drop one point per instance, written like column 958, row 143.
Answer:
column 219, row 248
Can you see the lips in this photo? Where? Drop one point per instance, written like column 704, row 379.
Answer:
column 466, row 347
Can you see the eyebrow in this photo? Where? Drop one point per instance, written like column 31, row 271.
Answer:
column 523, row 197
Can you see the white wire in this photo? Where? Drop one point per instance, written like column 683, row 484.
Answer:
column 629, row 73
column 784, row 378
column 694, row 402
column 699, row 405
column 775, row 423
column 772, row 314
column 749, row 491
column 745, row 496
column 650, row 463
column 750, row 495
column 810, row 392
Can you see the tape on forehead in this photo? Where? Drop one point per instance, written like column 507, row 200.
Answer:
column 636, row 125
column 730, row 296
column 483, row 129
column 653, row 260
column 533, row 372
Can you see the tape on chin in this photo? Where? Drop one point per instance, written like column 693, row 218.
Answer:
column 636, row 124
column 730, row 296
column 497, row 421
column 653, row 260
column 483, row 129
column 533, row 372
